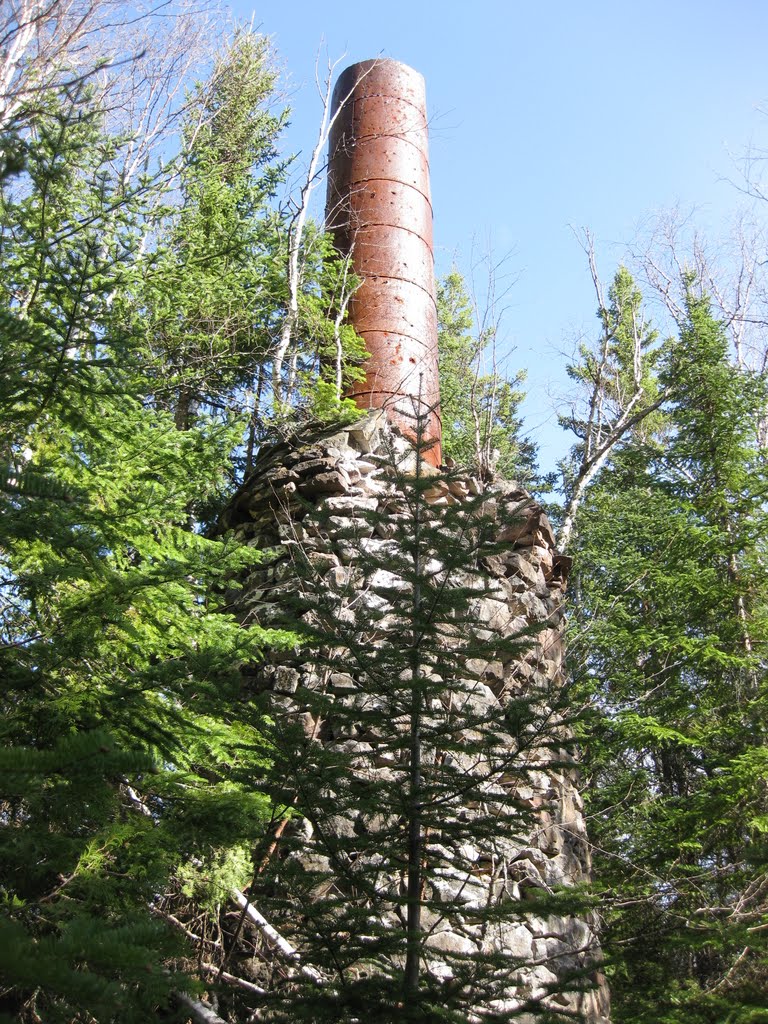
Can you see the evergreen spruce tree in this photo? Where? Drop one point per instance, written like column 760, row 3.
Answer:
column 216, row 296
column 480, row 411
column 214, row 290
column 670, row 633
column 129, row 773
column 618, row 392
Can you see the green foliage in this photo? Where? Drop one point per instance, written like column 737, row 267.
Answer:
column 68, row 236
column 215, row 299
column 330, row 354
column 669, row 645
column 327, row 407
column 210, row 883
column 618, row 395
column 213, row 288
column 110, row 976
column 127, row 752
column 480, row 411
column 623, row 364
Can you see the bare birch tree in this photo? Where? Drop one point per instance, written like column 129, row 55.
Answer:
column 731, row 270
column 44, row 43
column 300, row 207
column 141, row 60
column 147, row 89
column 617, row 389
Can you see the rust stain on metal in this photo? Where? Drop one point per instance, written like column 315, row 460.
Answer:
column 379, row 209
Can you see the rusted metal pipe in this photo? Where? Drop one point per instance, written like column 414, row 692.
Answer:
column 379, row 209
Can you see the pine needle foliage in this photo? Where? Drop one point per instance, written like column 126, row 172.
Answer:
column 670, row 561
column 214, row 291
column 480, row 410
column 216, row 297
column 125, row 759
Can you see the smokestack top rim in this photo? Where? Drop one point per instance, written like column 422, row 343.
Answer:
column 353, row 74
column 372, row 62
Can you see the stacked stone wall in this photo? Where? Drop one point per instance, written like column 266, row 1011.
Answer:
column 328, row 508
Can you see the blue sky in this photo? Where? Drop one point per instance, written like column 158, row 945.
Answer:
column 546, row 117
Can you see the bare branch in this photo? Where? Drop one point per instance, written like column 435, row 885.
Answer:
column 200, row 1012
column 274, row 937
column 616, row 402
column 592, row 467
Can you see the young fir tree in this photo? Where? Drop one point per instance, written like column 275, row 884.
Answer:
column 410, row 788
column 670, row 630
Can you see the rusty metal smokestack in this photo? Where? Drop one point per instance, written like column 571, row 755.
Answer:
column 379, row 209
